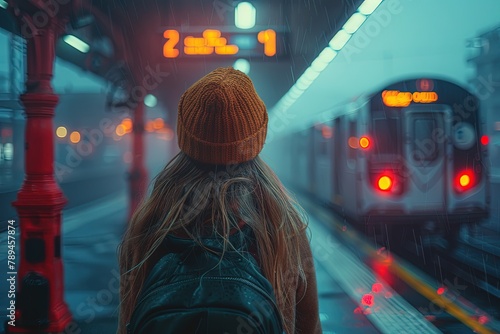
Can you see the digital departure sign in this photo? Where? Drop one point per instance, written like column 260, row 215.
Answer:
column 395, row 98
column 213, row 42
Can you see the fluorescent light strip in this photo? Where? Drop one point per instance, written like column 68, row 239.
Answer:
column 339, row 40
column 3, row 4
column 369, row 6
column 244, row 15
column 329, row 53
column 353, row 24
column 77, row 43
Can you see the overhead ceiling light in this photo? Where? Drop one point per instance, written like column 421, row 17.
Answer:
column 150, row 100
column 318, row 65
column 77, row 43
column 353, row 24
column 327, row 55
column 339, row 40
column 310, row 74
column 242, row 65
column 244, row 15
column 368, row 6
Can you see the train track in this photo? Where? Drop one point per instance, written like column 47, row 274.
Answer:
column 467, row 304
column 475, row 262
column 470, row 271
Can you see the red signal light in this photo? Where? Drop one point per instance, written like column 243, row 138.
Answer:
column 485, row 140
column 367, row 300
column 464, row 180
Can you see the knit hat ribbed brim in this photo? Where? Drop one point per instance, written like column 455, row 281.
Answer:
column 221, row 119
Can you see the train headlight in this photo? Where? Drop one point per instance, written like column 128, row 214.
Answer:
column 384, row 183
column 464, row 180
column 364, row 142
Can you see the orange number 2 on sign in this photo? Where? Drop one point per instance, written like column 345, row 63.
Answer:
column 169, row 50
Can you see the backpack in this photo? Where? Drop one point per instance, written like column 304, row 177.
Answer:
column 194, row 290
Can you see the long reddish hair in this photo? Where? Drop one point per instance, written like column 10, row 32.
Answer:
column 186, row 195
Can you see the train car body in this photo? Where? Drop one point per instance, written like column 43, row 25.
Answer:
column 409, row 153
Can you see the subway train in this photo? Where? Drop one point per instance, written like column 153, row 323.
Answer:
column 412, row 153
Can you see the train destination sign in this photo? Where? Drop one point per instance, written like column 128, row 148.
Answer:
column 395, row 98
column 216, row 43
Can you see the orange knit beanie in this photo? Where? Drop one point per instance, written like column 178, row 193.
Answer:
column 221, row 119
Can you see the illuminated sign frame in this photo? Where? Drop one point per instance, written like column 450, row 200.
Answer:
column 263, row 44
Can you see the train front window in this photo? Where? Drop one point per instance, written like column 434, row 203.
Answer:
column 386, row 135
column 424, row 145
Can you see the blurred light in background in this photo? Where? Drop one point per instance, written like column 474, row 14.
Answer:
column 3, row 4
column 127, row 124
column 326, row 132
column 61, row 132
column 244, row 15
column 353, row 142
column 149, row 126
column 150, row 100
column 77, row 43
column 8, row 151
column 242, row 65
column 166, row 134
column 158, row 123
column 120, row 130
column 74, row 137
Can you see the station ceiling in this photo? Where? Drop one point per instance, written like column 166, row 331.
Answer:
column 127, row 36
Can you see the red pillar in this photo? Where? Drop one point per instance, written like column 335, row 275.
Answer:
column 40, row 306
column 138, row 173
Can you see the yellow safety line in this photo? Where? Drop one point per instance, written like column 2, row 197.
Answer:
column 424, row 289
column 442, row 301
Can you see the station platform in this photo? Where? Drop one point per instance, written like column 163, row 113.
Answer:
column 351, row 298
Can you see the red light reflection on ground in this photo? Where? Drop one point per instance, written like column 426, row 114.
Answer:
column 377, row 287
column 367, row 300
column 483, row 319
column 381, row 266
